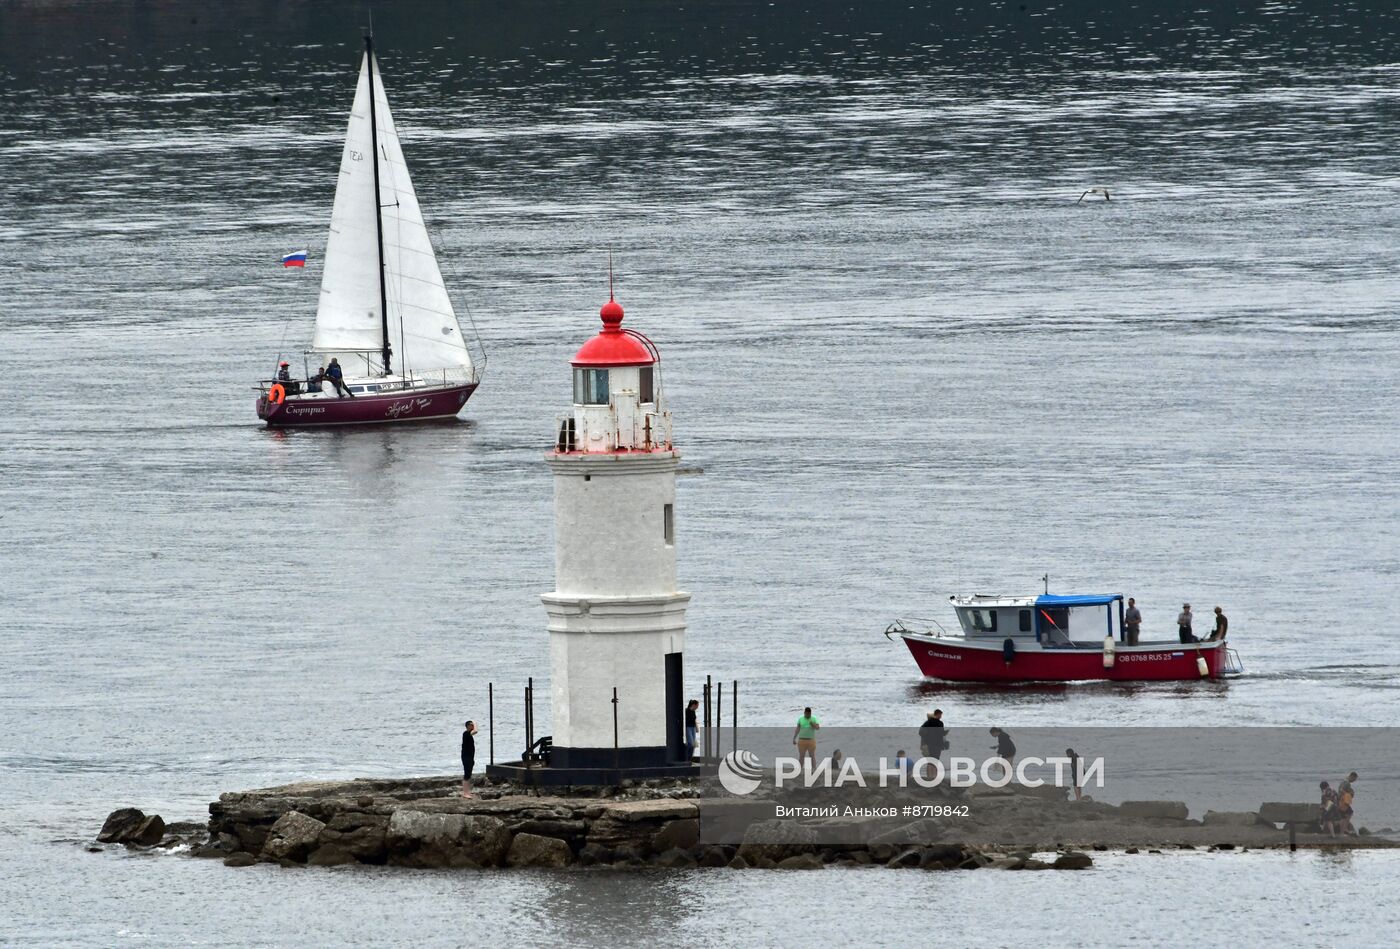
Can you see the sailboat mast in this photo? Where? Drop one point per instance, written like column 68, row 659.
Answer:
column 378, row 215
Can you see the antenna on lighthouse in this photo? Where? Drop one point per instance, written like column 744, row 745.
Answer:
column 610, row 274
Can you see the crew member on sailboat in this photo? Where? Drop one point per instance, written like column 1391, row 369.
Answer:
column 337, row 377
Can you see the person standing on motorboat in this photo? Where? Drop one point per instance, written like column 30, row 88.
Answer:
column 1183, row 623
column 1132, row 621
column 336, row 375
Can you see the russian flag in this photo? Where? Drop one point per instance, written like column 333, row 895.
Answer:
column 294, row 259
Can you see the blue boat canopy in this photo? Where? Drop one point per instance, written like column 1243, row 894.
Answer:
column 1078, row 599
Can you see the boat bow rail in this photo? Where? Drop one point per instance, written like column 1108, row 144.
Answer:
column 933, row 629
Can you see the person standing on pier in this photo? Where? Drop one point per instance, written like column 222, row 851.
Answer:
column 1132, row 621
column 1346, row 794
column 932, row 737
column 1331, row 816
column 1006, row 750
column 468, row 756
column 692, row 729
column 804, row 736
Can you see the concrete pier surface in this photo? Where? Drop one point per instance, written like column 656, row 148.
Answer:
column 425, row 822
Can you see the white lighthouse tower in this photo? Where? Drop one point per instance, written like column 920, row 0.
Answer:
column 616, row 618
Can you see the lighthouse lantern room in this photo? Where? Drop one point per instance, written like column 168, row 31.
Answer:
column 616, row 619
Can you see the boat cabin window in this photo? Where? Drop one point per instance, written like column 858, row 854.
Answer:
column 983, row 620
column 590, row 387
column 356, row 388
column 1025, row 621
column 645, row 386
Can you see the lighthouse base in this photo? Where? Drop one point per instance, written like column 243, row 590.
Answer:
column 581, row 776
column 598, row 766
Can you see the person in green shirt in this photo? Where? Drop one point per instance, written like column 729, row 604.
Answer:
column 804, row 736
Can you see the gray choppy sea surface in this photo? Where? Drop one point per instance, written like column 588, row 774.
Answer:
column 907, row 360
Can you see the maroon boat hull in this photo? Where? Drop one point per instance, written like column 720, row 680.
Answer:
column 958, row 662
column 420, row 405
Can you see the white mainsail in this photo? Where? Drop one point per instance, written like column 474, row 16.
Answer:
column 423, row 330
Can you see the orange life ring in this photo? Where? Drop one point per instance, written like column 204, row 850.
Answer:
column 276, row 395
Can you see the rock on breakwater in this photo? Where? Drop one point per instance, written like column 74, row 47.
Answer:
column 424, row 822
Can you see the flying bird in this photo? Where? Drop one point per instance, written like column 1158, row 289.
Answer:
column 1102, row 191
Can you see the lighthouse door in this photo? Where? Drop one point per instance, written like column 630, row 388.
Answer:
column 675, row 708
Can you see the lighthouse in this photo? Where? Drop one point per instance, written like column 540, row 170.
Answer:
column 616, row 618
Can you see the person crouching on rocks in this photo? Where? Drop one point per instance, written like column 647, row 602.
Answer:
column 468, row 756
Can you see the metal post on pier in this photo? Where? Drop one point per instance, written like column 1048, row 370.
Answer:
column 529, row 730
column 719, row 717
column 491, row 721
column 709, row 692
column 734, row 714
column 617, row 755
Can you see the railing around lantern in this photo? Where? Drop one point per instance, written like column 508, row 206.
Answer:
column 599, row 429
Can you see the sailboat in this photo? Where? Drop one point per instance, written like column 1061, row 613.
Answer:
column 387, row 345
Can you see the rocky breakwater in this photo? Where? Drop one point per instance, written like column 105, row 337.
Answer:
column 424, row 822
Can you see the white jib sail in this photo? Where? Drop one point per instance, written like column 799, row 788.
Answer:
column 423, row 330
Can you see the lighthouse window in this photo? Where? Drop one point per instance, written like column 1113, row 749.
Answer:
column 668, row 523
column 645, row 384
column 590, row 386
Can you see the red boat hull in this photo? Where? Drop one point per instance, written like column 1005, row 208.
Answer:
column 419, row 405
column 957, row 662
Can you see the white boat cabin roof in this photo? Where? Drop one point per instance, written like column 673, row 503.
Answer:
column 978, row 600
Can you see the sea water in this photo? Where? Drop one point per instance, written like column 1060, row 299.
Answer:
column 907, row 359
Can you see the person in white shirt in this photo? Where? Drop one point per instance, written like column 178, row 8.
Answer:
column 1183, row 622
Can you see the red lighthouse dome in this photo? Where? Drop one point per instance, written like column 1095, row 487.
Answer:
column 614, row 346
